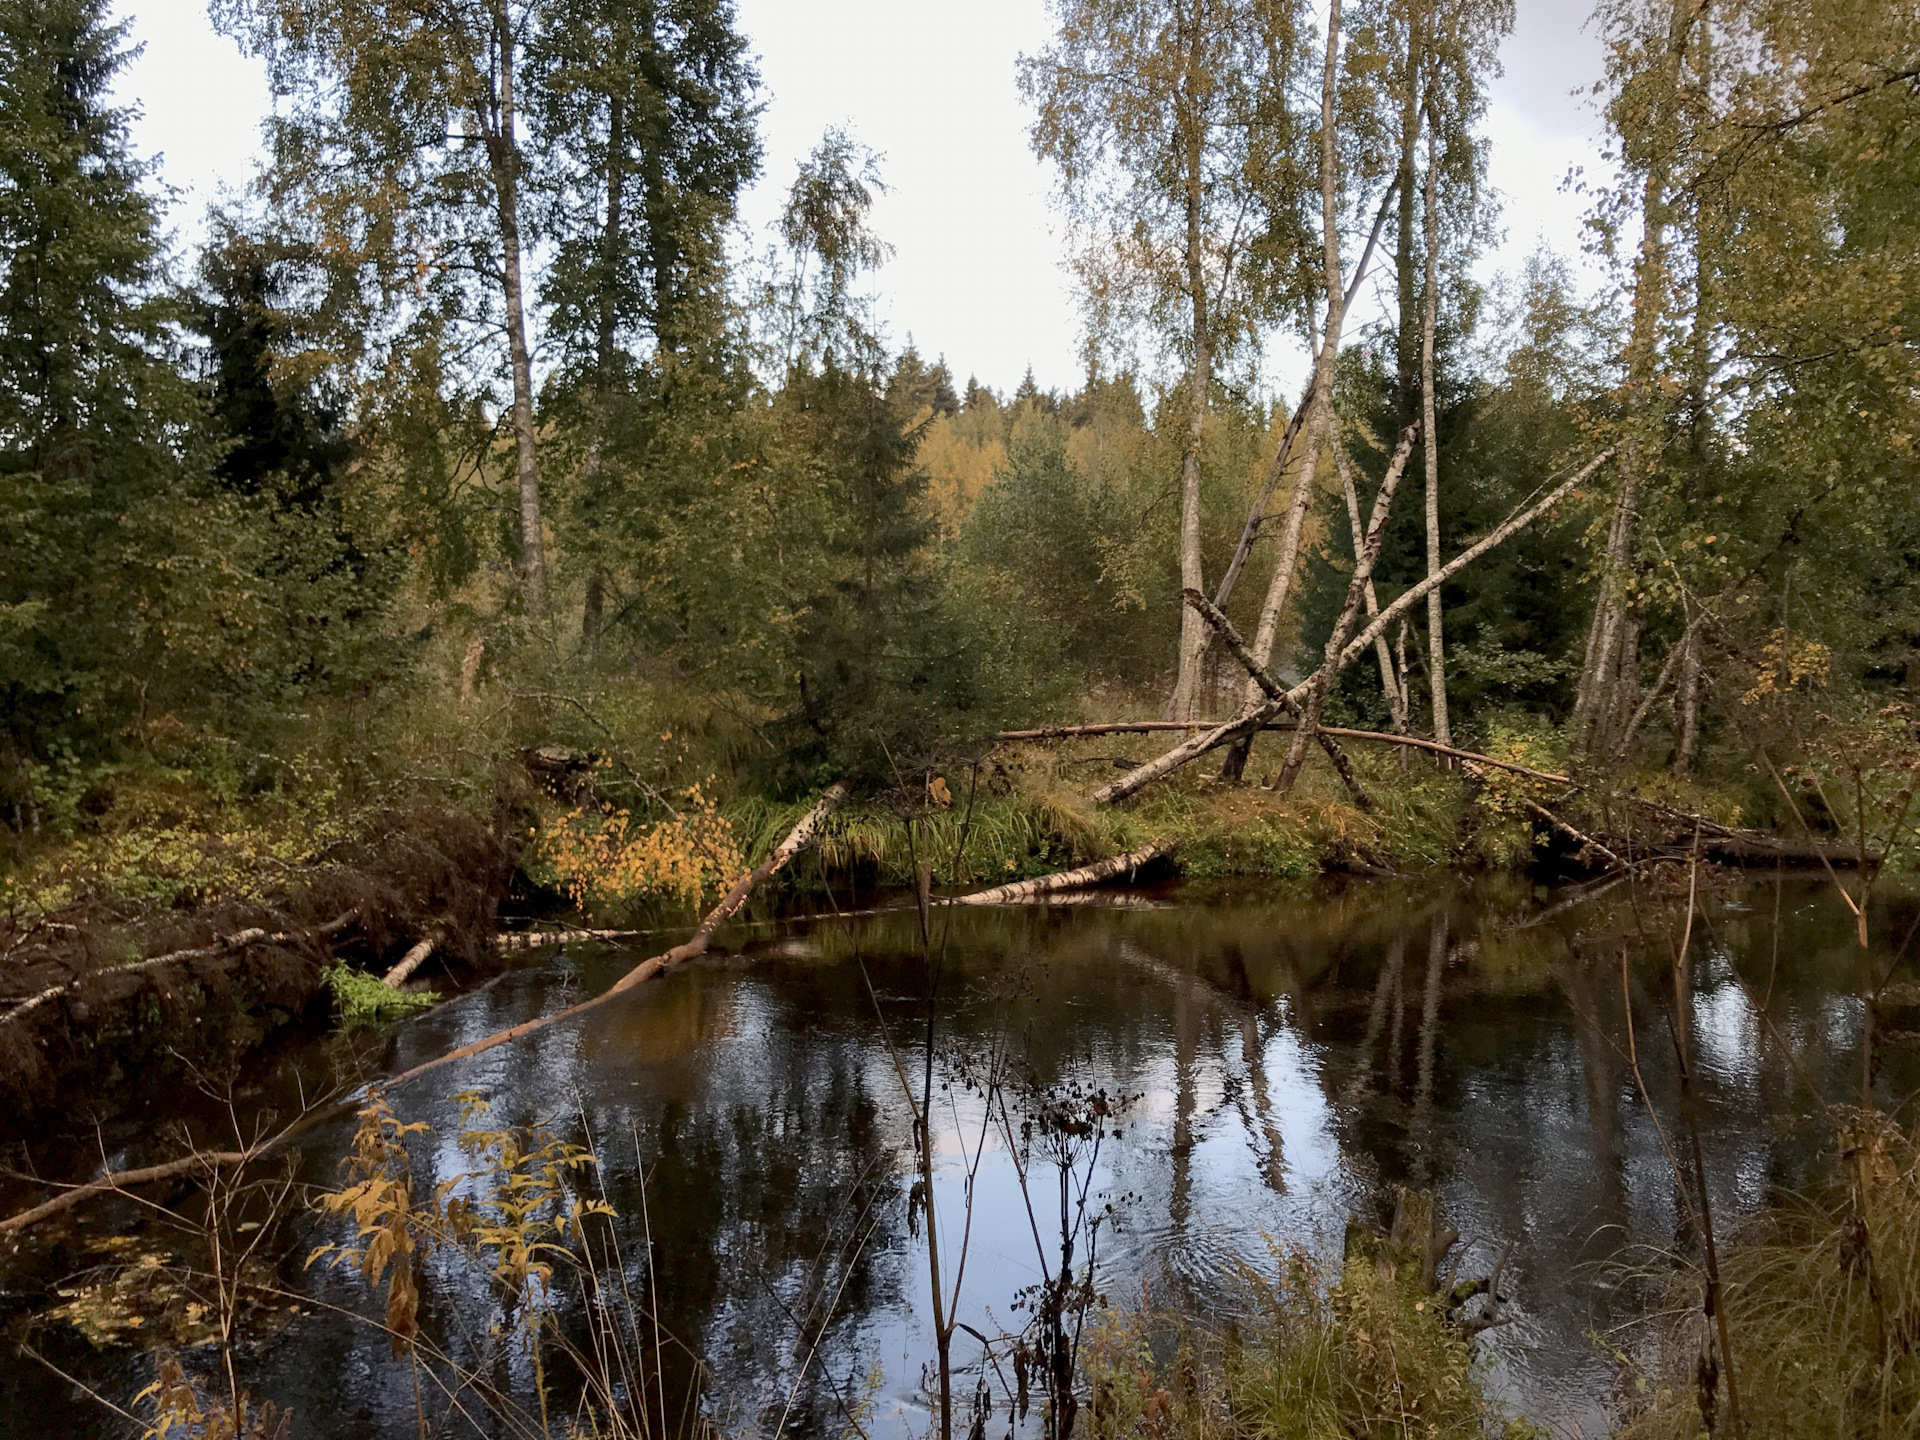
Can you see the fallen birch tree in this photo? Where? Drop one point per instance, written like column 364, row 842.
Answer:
column 1274, row 690
column 1086, row 875
column 1320, row 683
column 1259, row 717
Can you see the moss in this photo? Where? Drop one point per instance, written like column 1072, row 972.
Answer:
column 363, row 999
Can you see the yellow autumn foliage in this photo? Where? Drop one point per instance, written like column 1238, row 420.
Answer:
column 601, row 855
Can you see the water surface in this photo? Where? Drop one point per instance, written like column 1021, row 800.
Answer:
column 1286, row 1059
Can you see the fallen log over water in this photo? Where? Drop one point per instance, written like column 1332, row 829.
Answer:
column 201, row 1161
column 1301, row 694
column 1078, row 879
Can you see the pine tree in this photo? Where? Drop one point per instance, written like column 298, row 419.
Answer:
column 98, row 462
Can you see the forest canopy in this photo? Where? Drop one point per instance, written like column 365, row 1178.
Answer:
column 479, row 397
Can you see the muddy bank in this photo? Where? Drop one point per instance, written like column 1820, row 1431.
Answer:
column 105, row 1007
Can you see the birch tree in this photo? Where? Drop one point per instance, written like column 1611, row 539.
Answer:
column 1168, row 125
column 400, row 153
column 1334, row 176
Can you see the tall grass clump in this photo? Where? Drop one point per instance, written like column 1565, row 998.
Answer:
column 1822, row 1299
column 995, row 837
column 1365, row 1354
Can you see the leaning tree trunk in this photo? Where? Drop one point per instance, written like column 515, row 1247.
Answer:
column 1321, row 683
column 1430, row 450
column 1392, row 684
column 504, row 155
column 1287, row 561
column 1596, row 700
column 1234, row 729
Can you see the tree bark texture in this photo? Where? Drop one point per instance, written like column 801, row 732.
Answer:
column 1390, row 681
column 1193, row 634
column 1596, row 704
column 1094, row 874
column 1283, row 452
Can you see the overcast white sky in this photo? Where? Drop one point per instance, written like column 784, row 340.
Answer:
column 976, row 274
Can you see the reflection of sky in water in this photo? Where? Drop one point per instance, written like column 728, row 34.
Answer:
column 1259, row 1036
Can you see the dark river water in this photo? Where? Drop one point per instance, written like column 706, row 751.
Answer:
column 1279, row 1059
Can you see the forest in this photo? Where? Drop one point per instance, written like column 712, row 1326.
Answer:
column 478, row 542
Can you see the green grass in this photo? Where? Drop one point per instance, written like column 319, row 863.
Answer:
column 1822, row 1300
column 1308, row 1356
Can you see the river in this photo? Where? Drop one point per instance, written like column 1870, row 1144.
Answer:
column 1274, row 1061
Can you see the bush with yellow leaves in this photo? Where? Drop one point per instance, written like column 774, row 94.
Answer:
column 601, row 856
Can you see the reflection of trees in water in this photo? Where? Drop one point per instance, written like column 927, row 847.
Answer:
column 763, row 1197
column 1453, row 1047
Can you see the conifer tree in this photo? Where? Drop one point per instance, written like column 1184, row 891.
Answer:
column 644, row 114
column 99, row 459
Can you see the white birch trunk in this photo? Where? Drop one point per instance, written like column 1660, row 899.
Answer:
column 1430, row 449
column 1286, row 563
column 1390, row 682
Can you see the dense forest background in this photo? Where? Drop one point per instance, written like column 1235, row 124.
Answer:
column 476, row 426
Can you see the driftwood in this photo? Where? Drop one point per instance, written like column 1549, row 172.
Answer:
column 410, row 962
column 1320, row 683
column 1086, row 875
column 226, row 944
column 797, row 840
column 536, row 939
column 695, row 945
column 1724, row 844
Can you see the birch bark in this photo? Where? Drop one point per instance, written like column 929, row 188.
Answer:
column 1193, row 631
column 1316, row 429
column 1430, row 445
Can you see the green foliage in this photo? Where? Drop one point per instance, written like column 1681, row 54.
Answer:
column 363, row 999
column 643, row 116
column 111, row 551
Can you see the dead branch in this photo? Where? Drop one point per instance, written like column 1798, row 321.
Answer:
column 410, row 962
column 1258, row 717
column 1274, row 691
column 1579, row 837
column 696, row 945
column 797, row 839
column 1320, row 683
column 226, row 944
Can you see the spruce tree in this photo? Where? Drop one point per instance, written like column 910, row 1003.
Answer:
column 98, row 561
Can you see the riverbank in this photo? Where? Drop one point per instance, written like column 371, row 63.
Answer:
column 169, row 919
